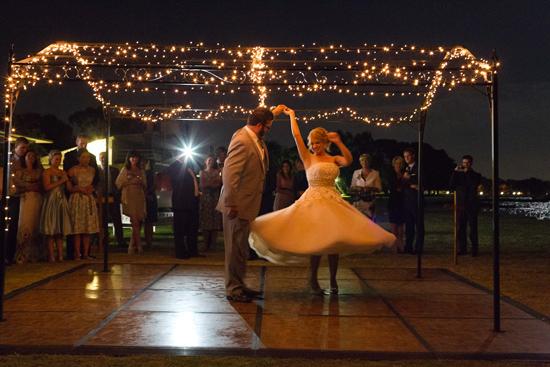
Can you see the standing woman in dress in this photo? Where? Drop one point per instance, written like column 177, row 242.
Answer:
column 132, row 182
column 396, row 213
column 28, row 183
column 210, row 218
column 365, row 183
column 83, row 205
column 55, row 221
column 284, row 191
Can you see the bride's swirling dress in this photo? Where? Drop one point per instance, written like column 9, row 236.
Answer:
column 320, row 222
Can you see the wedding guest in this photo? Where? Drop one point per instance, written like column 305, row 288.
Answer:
column 221, row 155
column 284, row 191
column 55, row 221
column 82, row 205
column 151, row 202
column 113, row 199
column 396, row 213
column 300, row 179
column 69, row 161
column 17, row 159
column 185, row 205
column 28, row 184
column 410, row 203
column 133, row 184
column 210, row 218
column 365, row 183
column 465, row 182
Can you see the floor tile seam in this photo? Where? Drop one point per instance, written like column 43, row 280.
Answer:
column 117, row 311
column 131, row 310
column 489, row 318
column 423, row 342
column 506, row 299
column 40, row 282
column 266, row 352
column 257, row 336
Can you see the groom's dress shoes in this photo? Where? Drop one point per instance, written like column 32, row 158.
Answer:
column 253, row 293
column 239, row 297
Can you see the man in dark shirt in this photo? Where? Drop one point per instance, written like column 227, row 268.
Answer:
column 465, row 181
column 113, row 199
column 185, row 206
column 410, row 204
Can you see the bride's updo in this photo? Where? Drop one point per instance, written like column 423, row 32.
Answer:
column 319, row 134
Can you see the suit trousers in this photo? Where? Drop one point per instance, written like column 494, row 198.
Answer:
column 186, row 229
column 411, row 228
column 235, row 235
column 464, row 218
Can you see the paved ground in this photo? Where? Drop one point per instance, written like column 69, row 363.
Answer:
column 163, row 308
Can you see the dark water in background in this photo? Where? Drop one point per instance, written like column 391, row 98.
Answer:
column 535, row 209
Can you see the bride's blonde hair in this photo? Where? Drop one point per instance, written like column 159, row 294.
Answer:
column 319, row 134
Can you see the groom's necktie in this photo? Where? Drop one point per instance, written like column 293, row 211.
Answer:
column 265, row 158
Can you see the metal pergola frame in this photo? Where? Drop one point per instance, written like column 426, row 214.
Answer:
column 491, row 83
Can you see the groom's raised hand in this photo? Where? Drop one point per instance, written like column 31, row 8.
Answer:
column 278, row 110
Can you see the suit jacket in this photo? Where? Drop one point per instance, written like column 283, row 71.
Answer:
column 243, row 176
column 410, row 195
column 70, row 159
column 465, row 184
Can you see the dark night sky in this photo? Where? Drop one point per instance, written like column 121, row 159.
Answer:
column 458, row 122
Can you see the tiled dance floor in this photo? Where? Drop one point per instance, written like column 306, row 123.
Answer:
column 380, row 313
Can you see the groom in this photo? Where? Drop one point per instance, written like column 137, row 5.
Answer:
column 243, row 175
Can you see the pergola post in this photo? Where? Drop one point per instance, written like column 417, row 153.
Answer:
column 106, row 194
column 420, row 199
column 5, row 220
column 496, row 194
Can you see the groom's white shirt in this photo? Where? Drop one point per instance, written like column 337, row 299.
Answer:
column 256, row 141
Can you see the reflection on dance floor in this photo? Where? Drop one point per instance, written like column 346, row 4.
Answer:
column 183, row 308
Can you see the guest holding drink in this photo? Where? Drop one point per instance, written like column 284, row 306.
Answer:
column 83, row 205
column 132, row 182
column 210, row 218
column 365, row 183
column 28, row 183
column 55, row 221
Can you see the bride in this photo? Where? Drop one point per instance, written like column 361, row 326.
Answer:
column 320, row 222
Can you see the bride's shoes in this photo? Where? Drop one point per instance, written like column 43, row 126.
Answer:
column 333, row 288
column 315, row 289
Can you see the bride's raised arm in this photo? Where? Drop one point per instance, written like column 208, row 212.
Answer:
column 346, row 158
column 303, row 151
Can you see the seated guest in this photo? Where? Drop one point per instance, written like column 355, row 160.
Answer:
column 365, row 183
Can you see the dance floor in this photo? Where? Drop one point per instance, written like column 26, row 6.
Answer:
column 181, row 309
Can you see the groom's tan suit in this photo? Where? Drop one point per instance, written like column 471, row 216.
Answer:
column 243, row 174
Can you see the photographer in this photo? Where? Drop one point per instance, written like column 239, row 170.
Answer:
column 365, row 183
column 465, row 182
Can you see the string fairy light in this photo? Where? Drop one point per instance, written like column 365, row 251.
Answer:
column 126, row 69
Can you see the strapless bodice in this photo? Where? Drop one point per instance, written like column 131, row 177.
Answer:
column 322, row 174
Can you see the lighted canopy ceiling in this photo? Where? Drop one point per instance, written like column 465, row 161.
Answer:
column 196, row 81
